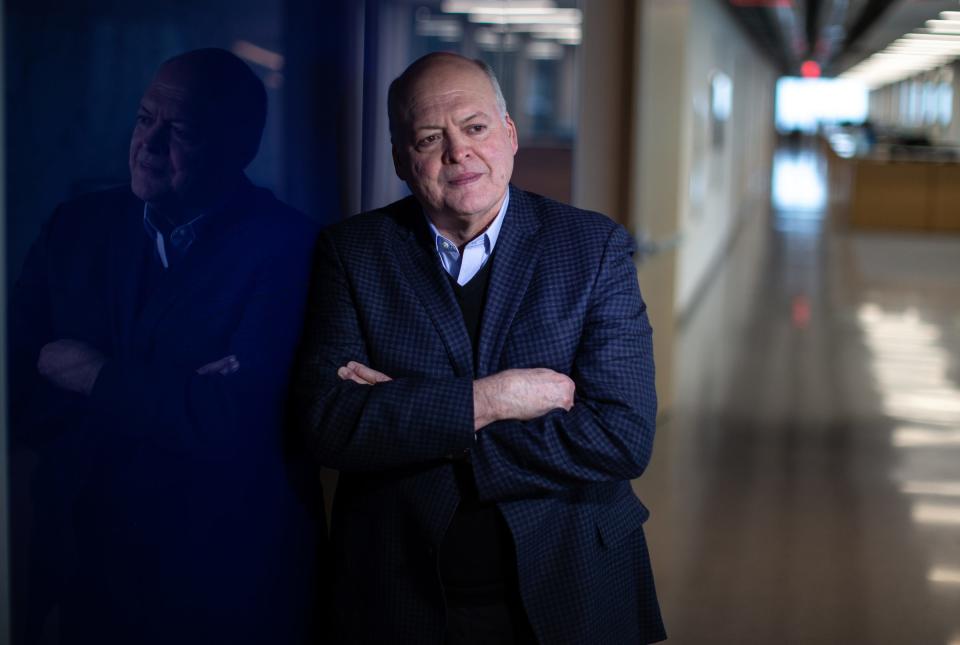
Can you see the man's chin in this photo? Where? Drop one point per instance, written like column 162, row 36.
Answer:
column 471, row 207
column 149, row 193
column 475, row 198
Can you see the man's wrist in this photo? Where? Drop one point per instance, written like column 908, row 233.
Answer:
column 93, row 373
column 484, row 404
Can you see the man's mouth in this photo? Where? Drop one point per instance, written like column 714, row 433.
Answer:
column 150, row 167
column 465, row 178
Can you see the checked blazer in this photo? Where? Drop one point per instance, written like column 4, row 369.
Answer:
column 563, row 294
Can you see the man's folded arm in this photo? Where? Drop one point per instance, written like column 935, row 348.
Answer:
column 352, row 427
column 608, row 433
column 225, row 412
column 36, row 407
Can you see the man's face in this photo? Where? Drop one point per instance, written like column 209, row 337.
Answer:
column 174, row 154
column 454, row 149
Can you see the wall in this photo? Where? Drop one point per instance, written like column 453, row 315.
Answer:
column 600, row 158
column 723, row 180
column 656, row 153
column 687, row 195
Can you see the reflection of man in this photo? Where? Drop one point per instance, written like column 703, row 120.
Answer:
column 477, row 364
column 153, row 328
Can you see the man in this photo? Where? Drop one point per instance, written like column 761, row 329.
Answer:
column 477, row 364
column 153, row 329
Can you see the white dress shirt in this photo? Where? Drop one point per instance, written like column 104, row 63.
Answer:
column 463, row 266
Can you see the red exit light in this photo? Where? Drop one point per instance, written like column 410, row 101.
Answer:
column 810, row 69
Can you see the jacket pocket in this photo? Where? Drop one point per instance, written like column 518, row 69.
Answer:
column 621, row 517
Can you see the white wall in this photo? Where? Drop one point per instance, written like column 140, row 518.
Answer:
column 657, row 156
column 720, row 181
column 679, row 44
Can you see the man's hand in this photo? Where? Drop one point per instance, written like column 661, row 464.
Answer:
column 520, row 394
column 223, row 367
column 71, row 365
column 360, row 373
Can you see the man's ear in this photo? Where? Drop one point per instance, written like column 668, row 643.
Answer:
column 512, row 132
column 397, row 166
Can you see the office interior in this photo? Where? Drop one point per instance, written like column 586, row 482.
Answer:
column 790, row 170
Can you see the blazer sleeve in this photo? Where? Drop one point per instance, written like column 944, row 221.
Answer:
column 37, row 408
column 214, row 416
column 608, row 433
column 351, row 427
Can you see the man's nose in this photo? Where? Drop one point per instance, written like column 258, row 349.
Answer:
column 155, row 138
column 457, row 148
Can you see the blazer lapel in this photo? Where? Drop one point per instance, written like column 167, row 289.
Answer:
column 215, row 250
column 128, row 244
column 206, row 261
column 514, row 260
column 421, row 266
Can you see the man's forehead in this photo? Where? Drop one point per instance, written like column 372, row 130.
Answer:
column 177, row 99
column 434, row 104
column 449, row 103
column 446, row 76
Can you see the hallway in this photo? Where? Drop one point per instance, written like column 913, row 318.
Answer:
column 806, row 487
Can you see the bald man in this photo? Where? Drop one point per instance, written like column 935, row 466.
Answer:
column 478, row 365
column 153, row 328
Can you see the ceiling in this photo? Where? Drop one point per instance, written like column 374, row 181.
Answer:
column 836, row 34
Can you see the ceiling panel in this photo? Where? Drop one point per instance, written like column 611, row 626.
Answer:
column 837, row 34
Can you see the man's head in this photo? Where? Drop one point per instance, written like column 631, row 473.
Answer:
column 453, row 141
column 198, row 126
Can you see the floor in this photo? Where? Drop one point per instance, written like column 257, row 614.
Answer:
column 806, row 487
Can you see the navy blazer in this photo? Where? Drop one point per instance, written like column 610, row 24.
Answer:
column 563, row 294
column 165, row 508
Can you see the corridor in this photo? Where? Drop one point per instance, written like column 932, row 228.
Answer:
column 806, row 487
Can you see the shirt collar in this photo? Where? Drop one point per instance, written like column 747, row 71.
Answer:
column 488, row 238
column 159, row 228
column 182, row 236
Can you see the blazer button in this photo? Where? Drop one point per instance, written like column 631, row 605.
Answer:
column 431, row 550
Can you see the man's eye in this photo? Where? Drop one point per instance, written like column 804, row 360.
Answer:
column 476, row 128
column 143, row 119
column 184, row 135
column 428, row 140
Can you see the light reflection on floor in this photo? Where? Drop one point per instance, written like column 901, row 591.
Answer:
column 798, row 185
column 806, row 488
